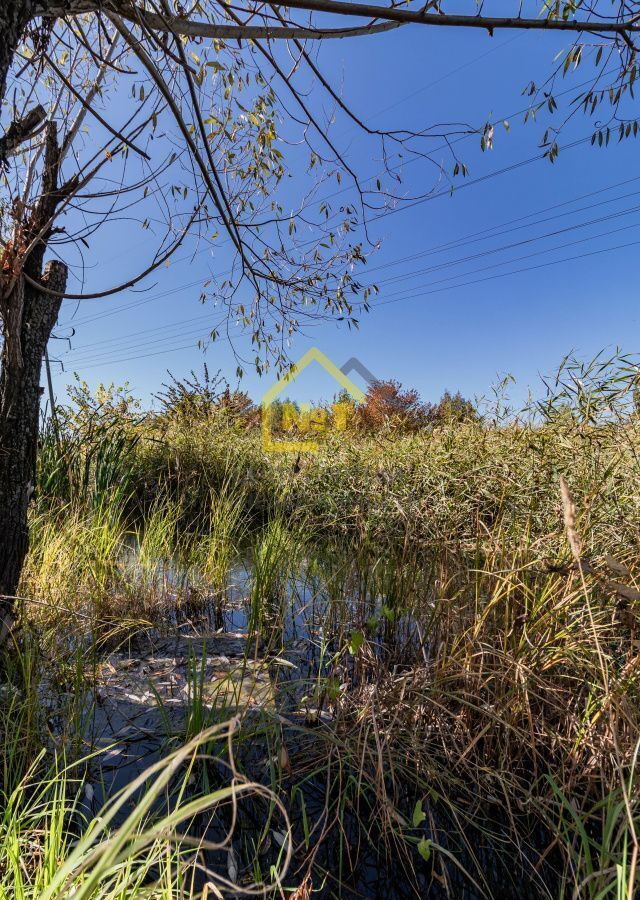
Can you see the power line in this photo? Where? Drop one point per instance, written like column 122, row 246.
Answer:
column 442, row 78
column 486, row 234
column 404, row 296
column 148, row 299
column 512, row 246
column 109, row 358
column 146, row 331
column 138, row 303
column 424, row 294
column 82, row 351
column 135, row 342
column 554, row 262
column 420, row 200
column 132, row 305
column 110, row 362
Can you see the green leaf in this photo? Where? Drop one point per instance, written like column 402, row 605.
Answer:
column 356, row 641
column 424, row 849
column 419, row 815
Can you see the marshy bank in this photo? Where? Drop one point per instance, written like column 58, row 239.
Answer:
column 426, row 644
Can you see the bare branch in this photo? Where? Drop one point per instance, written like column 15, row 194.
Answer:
column 395, row 14
column 21, row 130
column 127, row 284
column 86, row 102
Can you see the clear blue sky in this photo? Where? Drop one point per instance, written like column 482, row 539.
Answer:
column 456, row 327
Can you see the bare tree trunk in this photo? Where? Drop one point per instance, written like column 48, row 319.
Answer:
column 30, row 300
column 20, row 394
column 14, row 18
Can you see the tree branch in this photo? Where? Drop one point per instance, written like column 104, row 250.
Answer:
column 488, row 23
column 390, row 14
column 184, row 27
column 87, row 104
column 21, row 130
column 125, row 285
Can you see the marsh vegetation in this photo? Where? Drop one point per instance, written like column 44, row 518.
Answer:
column 406, row 665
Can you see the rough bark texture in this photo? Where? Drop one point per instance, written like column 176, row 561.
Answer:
column 14, row 18
column 29, row 308
column 19, row 413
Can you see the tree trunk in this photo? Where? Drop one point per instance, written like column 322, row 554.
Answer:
column 20, row 394
column 14, row 18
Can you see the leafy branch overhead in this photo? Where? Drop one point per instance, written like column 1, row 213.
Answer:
column 197, row 122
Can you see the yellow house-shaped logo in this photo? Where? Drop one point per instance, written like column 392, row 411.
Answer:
column 312, row 355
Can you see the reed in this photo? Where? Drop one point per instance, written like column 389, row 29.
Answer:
column 465, row 706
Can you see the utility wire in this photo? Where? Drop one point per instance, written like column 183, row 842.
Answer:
column 437, row 290
column 433, row 196
column 81, row 352
column 476, row 281
column 465, row 239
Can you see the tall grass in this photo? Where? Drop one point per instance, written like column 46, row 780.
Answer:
column 219, row 543
column 154, row 553
column 467, row 704
column 74, row 561
column 274, row 560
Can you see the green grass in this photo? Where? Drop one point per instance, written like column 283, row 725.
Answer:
column 147, row 854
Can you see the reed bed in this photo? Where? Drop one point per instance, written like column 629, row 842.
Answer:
column 465, row 706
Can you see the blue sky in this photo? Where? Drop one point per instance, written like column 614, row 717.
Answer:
column 457, row 326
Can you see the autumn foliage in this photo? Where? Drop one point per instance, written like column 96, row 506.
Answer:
column 387, row 404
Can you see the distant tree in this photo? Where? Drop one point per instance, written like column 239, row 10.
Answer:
column 275, row 412
column 386, row 403
column 343, row 411
column 454, row 408
column 290, row 416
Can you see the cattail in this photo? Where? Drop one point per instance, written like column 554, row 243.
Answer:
column 569, row 513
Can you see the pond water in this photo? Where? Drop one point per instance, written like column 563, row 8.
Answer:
column 280, row 665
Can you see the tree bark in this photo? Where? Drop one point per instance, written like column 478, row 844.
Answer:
column 14, row 18
column 20, row 394
column 29, row 304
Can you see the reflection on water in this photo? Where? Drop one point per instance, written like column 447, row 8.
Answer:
column 277, row 659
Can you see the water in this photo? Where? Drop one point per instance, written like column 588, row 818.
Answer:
column 202, row 661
